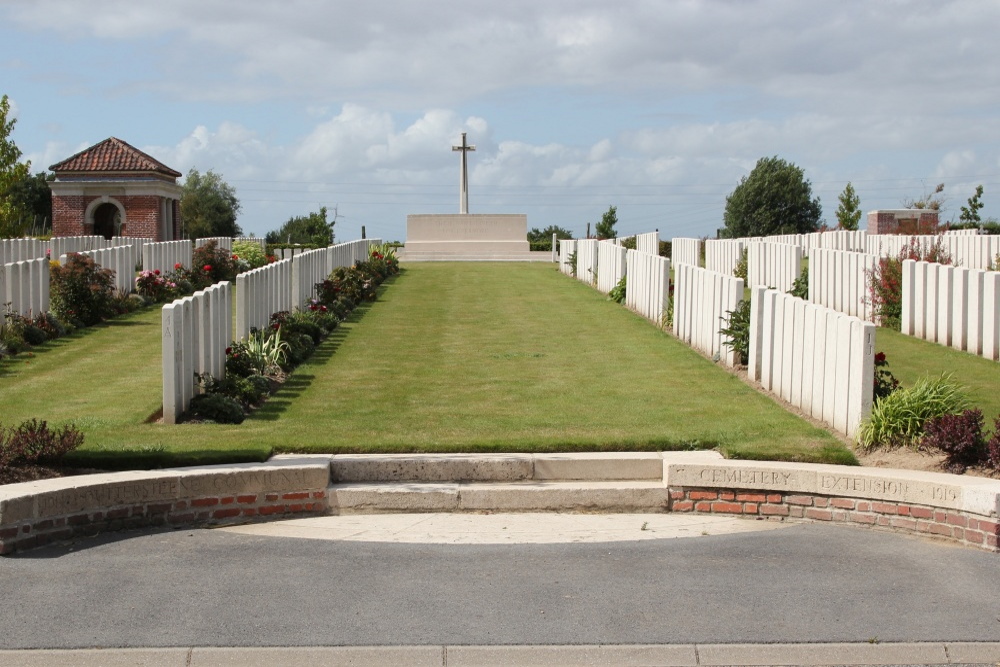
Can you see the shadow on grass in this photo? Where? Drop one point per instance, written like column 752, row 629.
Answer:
column 139, row 459
column 127, row 320
column 301, row 379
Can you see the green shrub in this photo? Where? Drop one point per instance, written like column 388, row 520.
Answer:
column 737, row 330
column 959, row 436
column 81, row 291
column 741, row 270
column 248, row 391
column 617, row 293
column 252, row 253
column 218, row 408
column 33, row 441
column 800, row 288
column 885, row 281
column 898, row 419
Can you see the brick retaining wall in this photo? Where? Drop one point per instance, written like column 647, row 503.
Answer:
column 38, row 513
column 963, row 527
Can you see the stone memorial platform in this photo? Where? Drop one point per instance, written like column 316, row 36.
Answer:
column 468, row 237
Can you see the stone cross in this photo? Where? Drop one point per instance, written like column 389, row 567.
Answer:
column 463, row 183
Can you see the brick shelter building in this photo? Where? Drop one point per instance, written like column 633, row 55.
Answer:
column 114, row 189
column 903, row 221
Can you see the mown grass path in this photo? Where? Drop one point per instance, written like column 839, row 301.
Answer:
column 453, row 357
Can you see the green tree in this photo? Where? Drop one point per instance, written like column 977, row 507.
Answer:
column 970, row 213
column 209, row 206
column 307, row 229
column 33, row 197
column 775, row 198
column 13, row 218
column 605, row 229
column 849, row 211
column 537, row 236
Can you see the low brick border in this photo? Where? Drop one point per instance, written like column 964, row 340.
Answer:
column 968, row 529
column 34, row 514
column 958, row 508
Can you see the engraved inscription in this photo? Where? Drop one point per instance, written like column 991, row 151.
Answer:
column 889, row 488
column 231, row 483
column 746, row 477
column 106, row 495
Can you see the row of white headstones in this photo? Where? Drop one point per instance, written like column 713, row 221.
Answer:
column 816, row 353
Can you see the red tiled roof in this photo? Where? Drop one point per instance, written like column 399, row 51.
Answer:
column 113, row 154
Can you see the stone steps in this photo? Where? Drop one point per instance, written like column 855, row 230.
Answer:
column 417, row 256
column 598, row 482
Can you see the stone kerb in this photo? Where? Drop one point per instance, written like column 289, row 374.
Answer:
column 813, row 357
column 648, row 286
column 962, row 509
column 36, row 513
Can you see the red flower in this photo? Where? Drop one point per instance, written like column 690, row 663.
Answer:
column 235, row 257
column 156, row 272
column 229, row 351
column 880, row 357
column 177, row 266
column 207, row 268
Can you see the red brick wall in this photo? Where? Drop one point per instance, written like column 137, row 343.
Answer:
column 965, row 528
column 68, row 214
column 142, row 215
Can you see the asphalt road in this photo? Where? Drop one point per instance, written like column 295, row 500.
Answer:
column 803, row 583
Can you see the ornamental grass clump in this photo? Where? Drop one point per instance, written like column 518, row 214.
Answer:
column 898, row 419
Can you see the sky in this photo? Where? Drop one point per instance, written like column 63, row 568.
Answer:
column 656, row 107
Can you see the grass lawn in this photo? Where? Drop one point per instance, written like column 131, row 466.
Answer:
column 453, row 357
column 911, row 358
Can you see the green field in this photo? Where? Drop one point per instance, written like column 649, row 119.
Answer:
column 466, row 357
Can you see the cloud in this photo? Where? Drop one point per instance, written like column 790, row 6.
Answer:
column 822, row 56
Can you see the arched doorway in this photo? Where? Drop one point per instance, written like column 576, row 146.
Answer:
column 107, row 220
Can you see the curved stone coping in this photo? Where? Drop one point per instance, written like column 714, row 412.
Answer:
column 36, row 513
column 965, row 509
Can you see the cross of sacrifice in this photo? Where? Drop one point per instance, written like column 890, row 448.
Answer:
column 463, row 184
